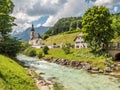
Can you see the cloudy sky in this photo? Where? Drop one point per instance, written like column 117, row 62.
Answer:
column 47, row 12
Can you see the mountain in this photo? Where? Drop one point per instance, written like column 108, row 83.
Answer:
column 25, row 35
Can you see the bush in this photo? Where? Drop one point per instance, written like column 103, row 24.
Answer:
column 10, row 46
column 66, row 49
column 30, row 52
column 45, row 36
column 54, row 43
column 24, row 46
column 39, row 54
column 45, row 50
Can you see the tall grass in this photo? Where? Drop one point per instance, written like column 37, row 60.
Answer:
column 13, row 76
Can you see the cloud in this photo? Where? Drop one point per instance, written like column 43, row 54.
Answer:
column 28, row 11
column 108, row 3
column 116, row 8
column 113, row 5
column 70, row 9
column 48, row 7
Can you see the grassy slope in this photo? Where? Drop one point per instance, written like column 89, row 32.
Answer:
column 76, row 54
column 13, row 76
column 61, row 38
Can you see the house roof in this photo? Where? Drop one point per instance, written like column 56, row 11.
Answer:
column 80, row 35
column 37, row 35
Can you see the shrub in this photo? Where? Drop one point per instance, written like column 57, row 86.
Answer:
column 40, row 55
column 10, row 46
column 45, row 50
column 30, row 52
column 45, row 36
column 66, row 49
column 24, row 46
column 54, row 43
column 26, row 51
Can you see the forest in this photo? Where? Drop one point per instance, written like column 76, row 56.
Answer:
column 72, row 24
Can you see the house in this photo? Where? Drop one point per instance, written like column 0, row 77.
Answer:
column 35, row 38
column 79, row 41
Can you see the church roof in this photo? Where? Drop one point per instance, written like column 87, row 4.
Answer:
column 37, row 35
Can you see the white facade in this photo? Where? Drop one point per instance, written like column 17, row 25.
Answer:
column 35, row 38
column 35, row 42
column 79, row 42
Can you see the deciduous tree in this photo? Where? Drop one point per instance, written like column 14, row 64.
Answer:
column 96, row 23
column 6, row 21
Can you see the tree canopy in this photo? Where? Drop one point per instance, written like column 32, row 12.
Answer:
column 6, row 21
column 116, row 24
column 96, row 25
column 8, row 46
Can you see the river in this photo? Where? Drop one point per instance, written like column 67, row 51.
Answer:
column 71, row 79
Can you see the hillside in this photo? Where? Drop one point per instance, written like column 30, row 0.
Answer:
column 25, row 35
column 61, row 38
column 13, row 76
column 65, row 24
column 75, row 24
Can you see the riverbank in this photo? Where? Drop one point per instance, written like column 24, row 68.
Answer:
column 81, row 59
column 41, row 83
column 112, row 68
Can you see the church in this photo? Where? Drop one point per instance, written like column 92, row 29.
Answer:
column 35, row 38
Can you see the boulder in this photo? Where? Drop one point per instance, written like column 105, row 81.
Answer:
column 108, row 69
column 101, row 71
column 86, row 66
column 73, row 63
column 78, row 63
column 118, row 64
column 55, row 60
column 79, row 67
column 95, row 68
column 116, row 68
column 41, row 73
column 108, row 63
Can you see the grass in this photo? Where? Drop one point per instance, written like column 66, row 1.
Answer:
column 78, row 55
column 61, row 38
column 13, row 76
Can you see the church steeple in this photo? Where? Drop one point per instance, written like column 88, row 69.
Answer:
column 32, row 28
column 32, row 32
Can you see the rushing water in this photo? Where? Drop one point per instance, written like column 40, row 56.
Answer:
column 72, row 79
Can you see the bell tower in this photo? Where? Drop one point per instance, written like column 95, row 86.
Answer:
column 32, row 32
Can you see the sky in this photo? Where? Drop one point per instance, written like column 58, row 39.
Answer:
column 48, row 12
